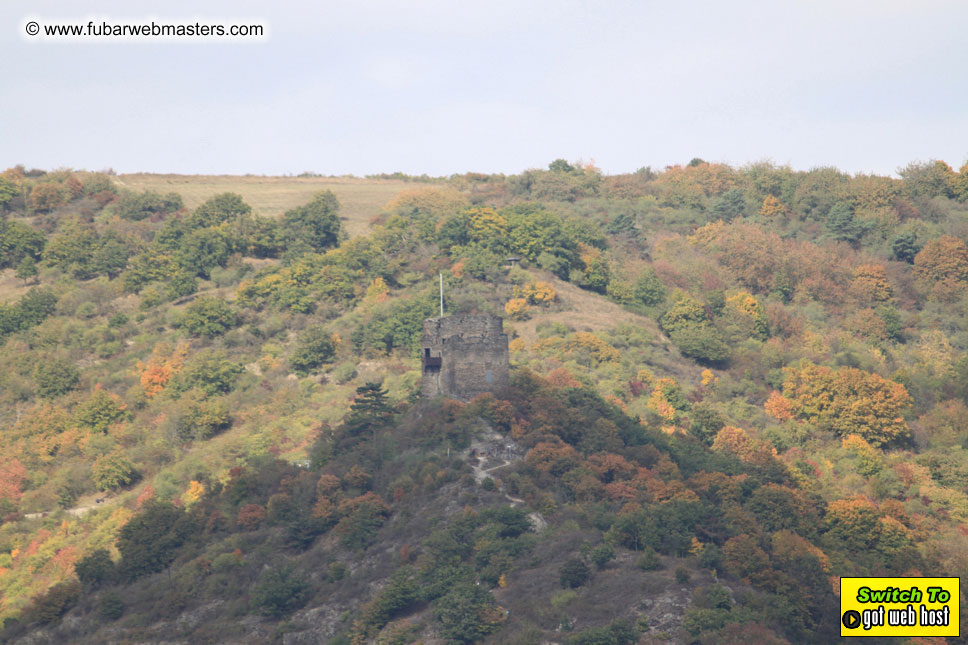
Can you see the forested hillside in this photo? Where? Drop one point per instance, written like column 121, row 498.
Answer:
column 730, row 387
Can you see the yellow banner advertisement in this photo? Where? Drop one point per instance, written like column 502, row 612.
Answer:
column 899, row 606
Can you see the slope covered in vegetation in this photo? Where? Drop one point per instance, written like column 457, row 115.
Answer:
column 730, row 388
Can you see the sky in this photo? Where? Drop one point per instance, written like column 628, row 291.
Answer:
column 442, row 87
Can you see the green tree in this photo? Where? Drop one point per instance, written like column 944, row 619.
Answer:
column 100, row 411
column 17, row 241
column 150, row 540
column 314, row 226
column 211, row 372
column 905, row 246
column 224, row 207
column 842, row 224
column 649, row 289
column 209, row 316
column 314, row 347
column 204, row 249
column 113, row 471
column 95, row 569
column 729, row 205
column 27, row 269
column 463, row 613
column 55, row 377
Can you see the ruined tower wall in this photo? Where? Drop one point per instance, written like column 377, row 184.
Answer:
column 463, row 356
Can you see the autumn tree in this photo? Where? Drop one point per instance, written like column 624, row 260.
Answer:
column 943, row 260
column 848, row 401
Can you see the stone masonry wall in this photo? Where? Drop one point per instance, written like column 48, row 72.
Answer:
column 463, row 356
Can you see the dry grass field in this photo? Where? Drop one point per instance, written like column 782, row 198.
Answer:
column 360, row 199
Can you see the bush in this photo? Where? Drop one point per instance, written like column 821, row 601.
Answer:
column 649, row 560
column 682, row 575
column 133, row 206
column 573, row 573
column 279, row 591
column 620, row 632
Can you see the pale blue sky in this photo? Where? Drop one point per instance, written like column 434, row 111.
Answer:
column 499, row 86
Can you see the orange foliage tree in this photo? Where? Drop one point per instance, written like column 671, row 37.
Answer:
column 846, row 401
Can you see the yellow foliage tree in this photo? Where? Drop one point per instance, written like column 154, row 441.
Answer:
column 847, row 401
column 772, row 207
column 517, row 309
column 870, row 284
column 193, row 494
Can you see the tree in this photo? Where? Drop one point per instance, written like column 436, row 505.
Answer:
column 27, row 269
column 313, row 227
column 848, row 401
column 150, row 540
column 113, row 471
column 55, row 377
column 18, row 241
column 95, row 568
column 843, row 226
column 729, row 205
column 905, row 246
column 772, row 207
column 942, row 259
column 211, row 372
column 45, row 197
column 649, row 289
column 224, row 207
column 204, row 249
column 209, row 316
column 314, row 347
column 467, row 613
column 100, row 411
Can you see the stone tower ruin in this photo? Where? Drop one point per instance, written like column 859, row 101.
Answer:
column 463, row 356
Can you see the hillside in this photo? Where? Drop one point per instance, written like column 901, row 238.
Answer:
column 729, row 388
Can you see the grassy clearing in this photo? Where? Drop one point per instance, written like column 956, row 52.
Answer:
column 583, row 311
column 361, row 199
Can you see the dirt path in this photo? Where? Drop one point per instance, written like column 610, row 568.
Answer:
column 76, row 511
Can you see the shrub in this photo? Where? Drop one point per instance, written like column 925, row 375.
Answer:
column 573, row 573
column 134, row 206
column 111, row 606
column 649, row 560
